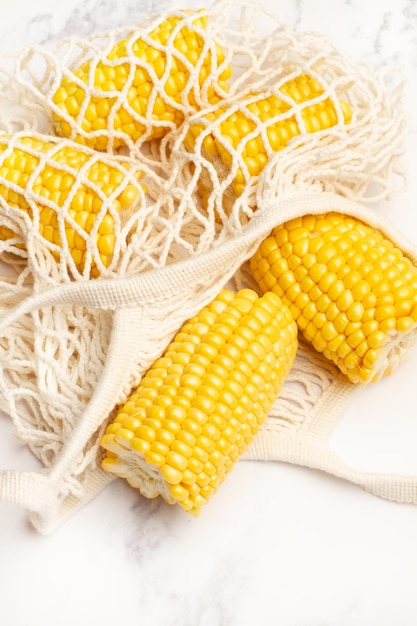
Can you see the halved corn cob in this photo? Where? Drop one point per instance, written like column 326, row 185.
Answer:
column 259, row 126
column 352, row 292
column 202, row 402
column 141, row 90
column 38, row 175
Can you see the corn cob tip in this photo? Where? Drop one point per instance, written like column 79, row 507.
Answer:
column 352, row 292
column 200, row 404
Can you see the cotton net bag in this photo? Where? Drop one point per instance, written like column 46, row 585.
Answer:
column 172, row 211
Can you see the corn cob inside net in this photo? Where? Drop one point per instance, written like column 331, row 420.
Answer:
column 352, row 292
column 143, row 87
column 63, row 188
column 259, row 126
column 202, row 402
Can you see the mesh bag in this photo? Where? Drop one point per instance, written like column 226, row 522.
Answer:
column 89, row 301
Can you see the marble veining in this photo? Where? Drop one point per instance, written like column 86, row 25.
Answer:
column 42, row 24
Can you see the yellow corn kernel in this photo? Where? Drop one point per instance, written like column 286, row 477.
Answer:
column 204, row 434
column 226, row 138
column 370, row 312
column 150, row 107
column 55, row 183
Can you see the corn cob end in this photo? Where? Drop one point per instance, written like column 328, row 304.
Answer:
column 200, row 404
column 352, row 292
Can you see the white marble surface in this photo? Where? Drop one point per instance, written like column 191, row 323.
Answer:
column 279, row 545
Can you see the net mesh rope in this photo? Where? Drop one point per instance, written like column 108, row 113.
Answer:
column 77, row 336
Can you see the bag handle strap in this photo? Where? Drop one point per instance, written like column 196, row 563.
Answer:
column 28, row 489
column 173, row 281
column 41, row 493
column 306, row 450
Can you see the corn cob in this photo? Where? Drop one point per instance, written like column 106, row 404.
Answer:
column 352, row 292
column 140, row 90
column 59, row 181
column 202, row 402
column 259, row 127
